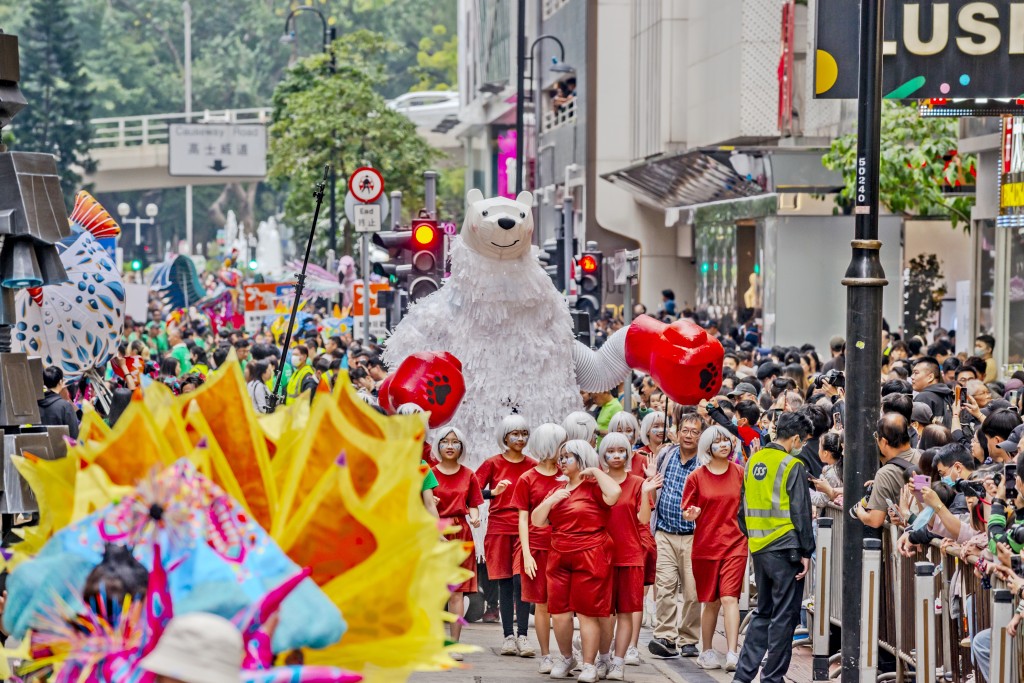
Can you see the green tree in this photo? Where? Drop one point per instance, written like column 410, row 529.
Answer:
column 918, row 160
column 340, row 118
column 56, row 120
column 437, row 61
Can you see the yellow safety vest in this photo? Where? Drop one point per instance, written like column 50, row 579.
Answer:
column 766, row 503
column 295, row 382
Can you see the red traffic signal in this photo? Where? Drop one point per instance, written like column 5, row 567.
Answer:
column 588, row 263
column 424, row 233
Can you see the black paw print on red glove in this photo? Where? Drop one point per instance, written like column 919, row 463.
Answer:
column 708, row 377
column 438, row 389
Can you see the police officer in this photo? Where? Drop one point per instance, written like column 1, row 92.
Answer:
column 776, row 517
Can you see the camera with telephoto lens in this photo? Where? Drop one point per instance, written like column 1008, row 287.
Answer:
column 973, row 489
column 835, row 378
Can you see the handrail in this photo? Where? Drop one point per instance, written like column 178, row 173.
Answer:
column 152, row 129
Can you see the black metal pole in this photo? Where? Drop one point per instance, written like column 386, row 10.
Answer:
column 864, row 281
column 318, row 194
column 520, row 90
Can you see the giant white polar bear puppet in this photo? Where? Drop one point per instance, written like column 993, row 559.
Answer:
column 500, row 315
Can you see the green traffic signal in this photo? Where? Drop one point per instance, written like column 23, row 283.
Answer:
column 253, row 264
column 136, row 265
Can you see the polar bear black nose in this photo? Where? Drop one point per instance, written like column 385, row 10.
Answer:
column 506, row 223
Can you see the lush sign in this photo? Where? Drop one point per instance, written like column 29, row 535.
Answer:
column 954, row 49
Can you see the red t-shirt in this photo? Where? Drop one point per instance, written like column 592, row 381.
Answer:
column 639, row 465
column 580, row 521
column 532, row 489
column 457, row 492
column 624, row 527
column 502, row 515
column 718, row 534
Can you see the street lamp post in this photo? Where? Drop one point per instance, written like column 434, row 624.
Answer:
column 328, row 36
column 526, row 69
column 124, row 210
column 864, row 281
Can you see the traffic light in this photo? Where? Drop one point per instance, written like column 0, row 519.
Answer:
column 553, row 256
column 427, row 258
column 417, row 257
column 591, row 267
column 136, row 265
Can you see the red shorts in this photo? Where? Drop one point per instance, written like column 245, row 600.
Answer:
column 650, row 561
column 499, row 549
column 717, row 578
column 465, row 535
column 581, row 581
column 629, row 590
column 534, row 590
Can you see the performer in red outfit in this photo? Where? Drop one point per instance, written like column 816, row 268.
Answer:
column 459, row 499
column 579, row 576
column 652, row 436
column 629, row 516
column 535, row 542
column 711, row 497
column 498, row 477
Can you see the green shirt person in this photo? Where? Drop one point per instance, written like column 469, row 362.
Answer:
column 179, row 350
column 609, row 407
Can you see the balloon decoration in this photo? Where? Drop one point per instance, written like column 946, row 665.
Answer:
column 432, row 380
column 681, row 358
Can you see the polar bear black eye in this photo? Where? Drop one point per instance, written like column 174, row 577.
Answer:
column 522, row 214
column 483, row 213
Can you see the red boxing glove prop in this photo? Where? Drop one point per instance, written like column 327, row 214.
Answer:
column 681, row 358
column 430, row 379
column 384, row 395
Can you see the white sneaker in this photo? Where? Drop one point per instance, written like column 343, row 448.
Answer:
column 546, row 664
column 588, row 675
column 563, row 666
column 709, row 660
column 509, row 648
column 457, row 656
column 632, row 657
column 602, row 664
column 525, row 650
column 731, row 660
column 617, row 673
column 577, row 650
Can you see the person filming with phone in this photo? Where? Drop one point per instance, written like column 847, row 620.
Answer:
column 893, row 441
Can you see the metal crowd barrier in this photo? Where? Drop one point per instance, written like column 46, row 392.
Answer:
column 926, row 610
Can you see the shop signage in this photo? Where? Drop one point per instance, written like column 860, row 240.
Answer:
column 954, row 49
column 1011, row 174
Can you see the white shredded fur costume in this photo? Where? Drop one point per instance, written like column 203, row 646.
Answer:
column 500, row 315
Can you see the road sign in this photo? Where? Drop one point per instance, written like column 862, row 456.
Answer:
column 378, row 327
column 217, row 149
column 351, row 203
column 367, row 218
column 264, row 299
column 366, row 184
column 358, row 299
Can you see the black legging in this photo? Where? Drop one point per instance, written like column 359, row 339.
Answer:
column 510, row 592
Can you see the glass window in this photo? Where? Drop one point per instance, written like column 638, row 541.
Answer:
column 986, row 276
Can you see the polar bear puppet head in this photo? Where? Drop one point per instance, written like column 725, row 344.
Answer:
column 499, row 228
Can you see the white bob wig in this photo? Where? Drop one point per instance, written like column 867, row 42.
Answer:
column 623, row 420
column 711, row 435
column 545, row 440
column 580, row 425
column 616, row 439
column 648, row 424
column 509, row 424
column 584, row 453
column 440, row 434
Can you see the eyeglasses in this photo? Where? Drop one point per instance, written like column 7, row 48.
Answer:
column 690, row 432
